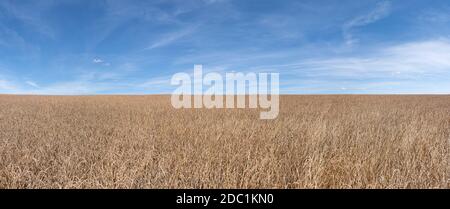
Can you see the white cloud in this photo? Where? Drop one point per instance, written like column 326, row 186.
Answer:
column 381, row 11
column 96, row 60
column 435, row 16
column 414, row 67
column 33, row 84
column 101, row 62
column 410, row 58
column 31, row 15
column 156, row 82
column 10, row 38
column 68, row 88
column 170, row 38
column 6, row 85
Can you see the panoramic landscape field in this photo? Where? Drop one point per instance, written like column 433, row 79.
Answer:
column 351, row 141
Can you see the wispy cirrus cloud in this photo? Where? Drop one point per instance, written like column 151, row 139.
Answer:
column 313, row 45
column 413, row 67
column 441, row 15
column 122, row 13
column 381, row 11
column 171, row 38
column 32, row 83
column 6, row 86
column 30, row 15
column 10, row 38
column 432, row 56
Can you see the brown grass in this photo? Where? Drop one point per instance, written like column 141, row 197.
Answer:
column 142, row 142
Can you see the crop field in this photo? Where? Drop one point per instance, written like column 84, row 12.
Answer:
column 329, row 141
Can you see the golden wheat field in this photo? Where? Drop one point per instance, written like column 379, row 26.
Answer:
column 336, row 141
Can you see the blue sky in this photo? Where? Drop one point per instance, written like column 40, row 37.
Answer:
column 134, row 47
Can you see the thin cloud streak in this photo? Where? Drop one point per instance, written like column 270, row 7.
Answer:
column 171, row 38
column 381, row 11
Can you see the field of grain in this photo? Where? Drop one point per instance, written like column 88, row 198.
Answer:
column 142, row 142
